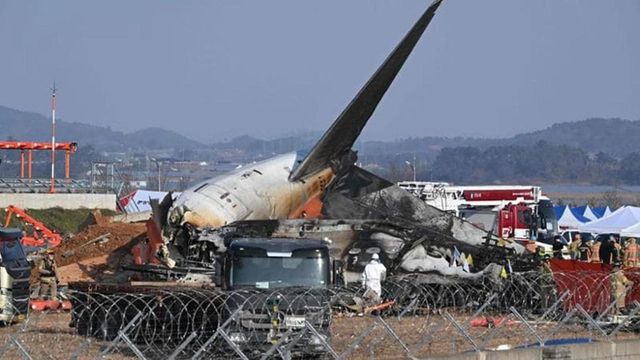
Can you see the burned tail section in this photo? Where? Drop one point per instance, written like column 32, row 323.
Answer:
column 339, row 139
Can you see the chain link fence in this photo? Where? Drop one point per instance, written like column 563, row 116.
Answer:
column 418, row 318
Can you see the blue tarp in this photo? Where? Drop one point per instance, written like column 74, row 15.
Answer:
column 599, row 211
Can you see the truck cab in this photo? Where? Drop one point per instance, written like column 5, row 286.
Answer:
column 523, row 224
column 277, row 263
column 278, row 285
column 15, row 272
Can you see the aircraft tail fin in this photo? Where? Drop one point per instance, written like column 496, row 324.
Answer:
column 347, row 127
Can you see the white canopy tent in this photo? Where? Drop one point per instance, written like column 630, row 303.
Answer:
column 570, row 219
column 631, row 231
column 615, row 222
column 588, row 213
column 607, row 211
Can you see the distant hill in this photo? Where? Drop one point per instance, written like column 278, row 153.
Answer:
column 30, row 126
column 612, row 136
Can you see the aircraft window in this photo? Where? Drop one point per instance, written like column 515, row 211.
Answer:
column 224, row 195
column 256, row 171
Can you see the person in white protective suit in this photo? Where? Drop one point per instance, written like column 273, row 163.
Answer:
column 372, row 276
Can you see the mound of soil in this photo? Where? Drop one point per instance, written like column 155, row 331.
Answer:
column 122, row 237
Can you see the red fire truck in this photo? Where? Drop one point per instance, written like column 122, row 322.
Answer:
column 518, row 212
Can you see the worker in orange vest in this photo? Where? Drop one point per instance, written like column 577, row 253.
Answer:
column 631, row 253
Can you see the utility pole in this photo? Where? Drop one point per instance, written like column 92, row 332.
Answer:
column 52, row 188
column 157, row 165
column 412, row 165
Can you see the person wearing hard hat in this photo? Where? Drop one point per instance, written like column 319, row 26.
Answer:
column 48, row 280
column 619, row 284
column 558, row 246
column 372, row 276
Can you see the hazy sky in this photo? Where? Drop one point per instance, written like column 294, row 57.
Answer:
column 217, row 69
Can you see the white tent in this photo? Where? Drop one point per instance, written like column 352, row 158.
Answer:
column 631, row 231
column 587, row 212
column 570, row 219
column 614, row 223
column 607, row 211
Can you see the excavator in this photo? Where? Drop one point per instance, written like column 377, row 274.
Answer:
column 41, row 237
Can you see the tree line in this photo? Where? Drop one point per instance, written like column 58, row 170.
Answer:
column 541, row 162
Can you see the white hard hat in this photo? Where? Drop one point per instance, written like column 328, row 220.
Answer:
column 375, row 257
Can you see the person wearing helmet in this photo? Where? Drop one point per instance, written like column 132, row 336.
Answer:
column 372, row 276
column 619, row 284
column 558, row 246
column 48, row 280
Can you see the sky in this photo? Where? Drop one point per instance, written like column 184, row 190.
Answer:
column 213, row 70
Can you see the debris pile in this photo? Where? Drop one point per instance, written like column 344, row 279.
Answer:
column 98, row 251
column 77, row 249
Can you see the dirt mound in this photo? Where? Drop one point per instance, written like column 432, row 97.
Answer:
column 95, row 217
column 122, row 237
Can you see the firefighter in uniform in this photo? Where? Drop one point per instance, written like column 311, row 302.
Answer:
column 48, row 281
column 584, row 251
column 617, row 251
column 619, row 283
column 631, row 253
column 595, row 252
column 547, row 283
column 573, row 247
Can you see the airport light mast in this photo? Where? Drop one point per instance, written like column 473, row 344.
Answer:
column 52, row 189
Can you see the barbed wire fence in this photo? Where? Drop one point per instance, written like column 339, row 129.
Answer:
column 419, row 318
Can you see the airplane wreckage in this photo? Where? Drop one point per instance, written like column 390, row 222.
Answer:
column 325, row 196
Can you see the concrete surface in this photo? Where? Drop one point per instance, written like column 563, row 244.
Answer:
column 65, row 201
column 623, row 350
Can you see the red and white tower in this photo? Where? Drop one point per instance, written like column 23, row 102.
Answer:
column 52, row 189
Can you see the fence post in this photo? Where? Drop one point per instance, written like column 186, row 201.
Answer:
column 322, row 340
column 215, row 335
column 182, row 346
column 132, row 346
column 554, row 305
column 588, row 317
column 124, row 330
column 524, row 321
column 345, row 354
column 461, row 330
column 394, row 335
column 233, row 345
